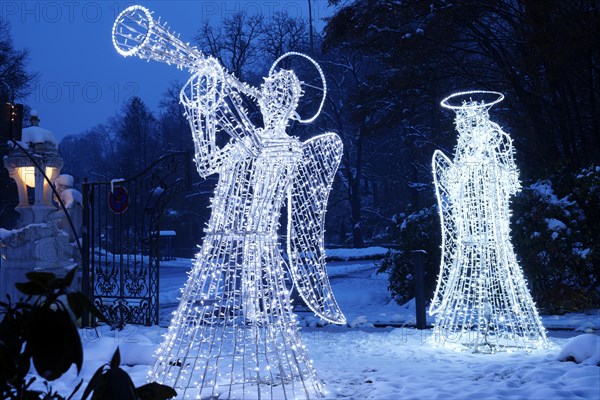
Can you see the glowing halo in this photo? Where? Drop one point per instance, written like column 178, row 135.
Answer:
column 324, row 89
column 124, row 48
column 471, row 103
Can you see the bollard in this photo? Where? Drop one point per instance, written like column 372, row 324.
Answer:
column 419, row 288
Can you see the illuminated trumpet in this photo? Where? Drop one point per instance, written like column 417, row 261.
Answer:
column 135, row 33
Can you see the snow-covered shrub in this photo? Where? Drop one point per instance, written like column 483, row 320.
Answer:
column 556, row 234
column 416, row 231
column 582, row 349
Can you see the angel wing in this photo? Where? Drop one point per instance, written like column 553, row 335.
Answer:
column 307, row 202
column 443, row 175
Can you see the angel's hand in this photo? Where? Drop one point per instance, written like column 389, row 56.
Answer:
column 205, row 89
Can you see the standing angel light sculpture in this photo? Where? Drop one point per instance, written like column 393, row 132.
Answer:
column 234, row 334
column 481, row 300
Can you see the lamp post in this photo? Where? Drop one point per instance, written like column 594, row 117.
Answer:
column 37, row 243
column 35, row 194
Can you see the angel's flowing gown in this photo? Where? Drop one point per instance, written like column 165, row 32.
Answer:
column 234, row 333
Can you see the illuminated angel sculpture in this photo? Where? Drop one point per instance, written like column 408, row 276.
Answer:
column 234, row 334
column 481, row 300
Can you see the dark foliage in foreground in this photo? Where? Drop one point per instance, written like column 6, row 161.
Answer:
column 41, row 329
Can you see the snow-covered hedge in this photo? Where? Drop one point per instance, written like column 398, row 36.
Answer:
column 556, row 234
column 413, row 232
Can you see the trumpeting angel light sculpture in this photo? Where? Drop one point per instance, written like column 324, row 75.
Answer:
column 233, row 334
column 481, row 300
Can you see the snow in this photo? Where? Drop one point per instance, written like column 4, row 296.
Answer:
column 70, row 197
column 555, row 224
column 584, row 349
column 371, row 363
column 378, row 354
column 6, row 233
column 544, row 188
column 356, row 254
column 35, row 134
column 65, row 180
column 583, row 253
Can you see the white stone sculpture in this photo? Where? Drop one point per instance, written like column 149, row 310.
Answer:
column 481, row 300
column 234, row 334
column 72, row 200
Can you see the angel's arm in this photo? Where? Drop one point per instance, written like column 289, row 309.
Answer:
column 213, row 105
column 443, row 173
column 307, row 202
column 505, row 154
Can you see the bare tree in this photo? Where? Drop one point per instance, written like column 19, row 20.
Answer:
column 283, row 33
column 234, row 42
column 354, row 113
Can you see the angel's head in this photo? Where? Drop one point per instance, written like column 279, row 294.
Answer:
column 279, row 98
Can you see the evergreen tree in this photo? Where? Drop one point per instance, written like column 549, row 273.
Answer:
column 15, row 84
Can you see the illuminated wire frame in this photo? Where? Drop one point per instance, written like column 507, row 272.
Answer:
column 321, row 75
column 234, row 334
column 481, row 300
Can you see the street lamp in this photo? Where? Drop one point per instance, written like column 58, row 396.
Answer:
column 29, row 178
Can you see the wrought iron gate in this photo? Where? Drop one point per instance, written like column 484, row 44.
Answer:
column 121, row 242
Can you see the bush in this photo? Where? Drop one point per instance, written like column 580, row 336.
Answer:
column 556, row 231
column 416, row 231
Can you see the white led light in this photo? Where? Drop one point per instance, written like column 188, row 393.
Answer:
column 481, row 300
column 234, row 334
column 321, row 75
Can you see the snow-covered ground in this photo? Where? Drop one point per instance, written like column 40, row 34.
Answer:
column 361, row 361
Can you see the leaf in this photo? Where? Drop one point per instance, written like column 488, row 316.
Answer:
column 75, row 304
column 75, row 390
column 33, row 395
column 155, row 391
column 100, row 391
column 98, row 379
column 72, row 342
column 78, row 301
column 119, row 385
column 23, row 365
column 9, row 335
column 31, row 288
column 7, row 363
column 57, row 283
column 116, row 359
column 70, row 276
column 40, row 277
column 53, row 342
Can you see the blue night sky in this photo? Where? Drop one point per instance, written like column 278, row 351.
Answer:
column 83, row 80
